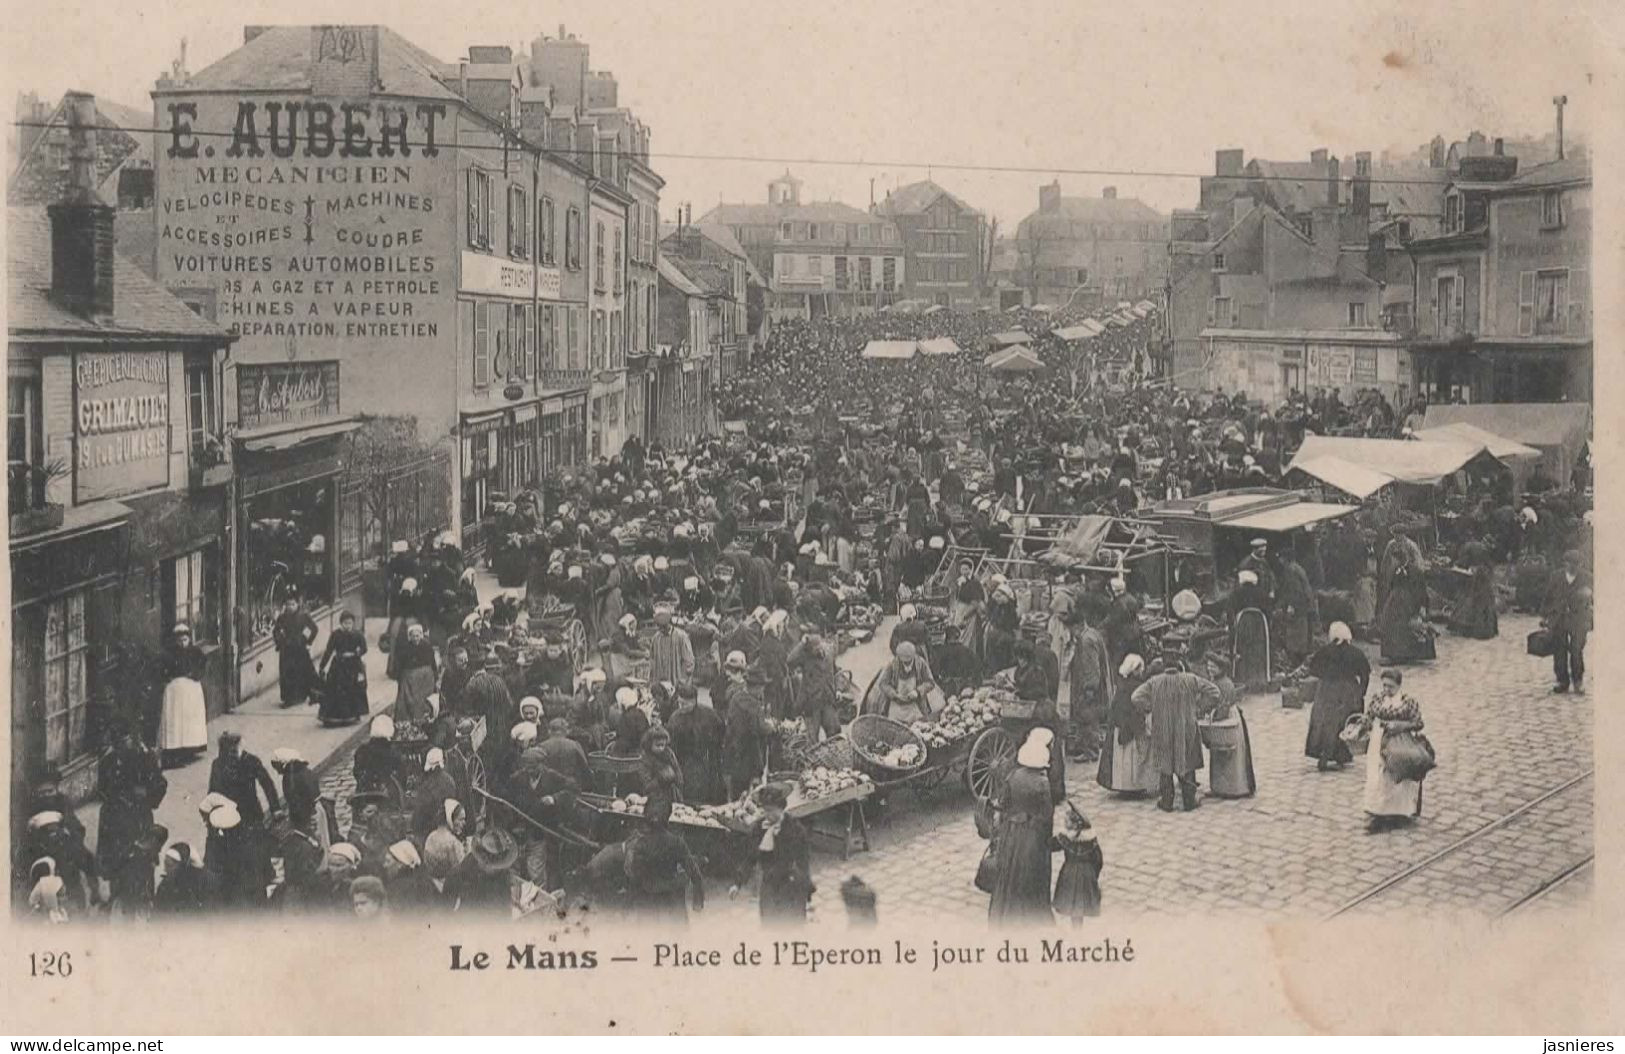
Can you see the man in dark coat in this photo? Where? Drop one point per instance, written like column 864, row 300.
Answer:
column 1258, row 562
column 1567, row 615
column 132, row 785
column 487, row 695
column 1174, row 700
column 696, row 738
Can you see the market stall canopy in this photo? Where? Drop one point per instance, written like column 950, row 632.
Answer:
column 1558, row 430
column 1146, row 305
column 1290, row 517
column 1082, row 331
column 1346, row 476
column 1502, row 448
column 1116, row 320
column 933, row 309
column 1013, row 360
column 939, row 346
column 890, row 349
column 1044, row 308
column 1011, row 336
column 734, row 427
column 1404, row 460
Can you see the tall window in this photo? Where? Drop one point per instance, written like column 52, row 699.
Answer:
column 866, row 273
column 25, row 443
column 815, row 266
column 1453, row 213
column 481, row 209
column 617, row 352
column 786, row 231
column 66, row 694
column 620, row 262
column 572, row 341
column 888, row 272
column 518, row 223
column 544, row 231
column 200, row 426
column 1222, row 314
column 598, row 257
column 1448, row 304
column 1551, row 209
column 649, row 319
column 637, row 233
column 1551, row 302
column 186, row 582
column 572, row 239
column 1357, row 314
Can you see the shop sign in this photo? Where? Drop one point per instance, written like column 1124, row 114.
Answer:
column 524, row 414
column 1365, row 365
column 494, row 276
column 513, row 391
column 121, row 423
column 286, row 393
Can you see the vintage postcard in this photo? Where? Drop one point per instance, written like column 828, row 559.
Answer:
column 746, row 517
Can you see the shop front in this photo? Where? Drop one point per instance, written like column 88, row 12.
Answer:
column 563, row 432
column 1270, row 365
column 289, row 456
column 479, row 471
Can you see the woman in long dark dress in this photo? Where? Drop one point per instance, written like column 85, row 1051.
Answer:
column 1024, row 807
column 1344, row 674
column 1473, row 614
column 344, row 701
column 1403, row 622
column 294, row 632
column 419, row 674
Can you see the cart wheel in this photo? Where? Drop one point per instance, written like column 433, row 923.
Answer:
column 991, row 749
column 575, row 635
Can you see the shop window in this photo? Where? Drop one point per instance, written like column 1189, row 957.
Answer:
column 285, row 549
column 66, row 694
column 25, row 444
column 189, row 588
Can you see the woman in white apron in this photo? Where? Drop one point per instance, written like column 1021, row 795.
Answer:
column 183, row 724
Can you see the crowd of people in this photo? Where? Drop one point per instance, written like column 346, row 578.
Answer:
column 713, row 587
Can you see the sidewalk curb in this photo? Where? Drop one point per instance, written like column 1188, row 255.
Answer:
column 361, row 731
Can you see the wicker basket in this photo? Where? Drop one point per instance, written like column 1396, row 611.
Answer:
column 869, row 731
column 1221, row 736
column 833, row 753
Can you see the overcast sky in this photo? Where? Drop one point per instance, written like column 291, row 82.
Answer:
column 1046, row 87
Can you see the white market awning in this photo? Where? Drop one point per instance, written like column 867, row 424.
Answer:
column 1404, row 460
column 939, row 346
column 1348, row 477
column 1013, row 360
column 1079, row 332
column 896, row 350
column 1290, row 517
column 1011, row 336
column 1500, row 447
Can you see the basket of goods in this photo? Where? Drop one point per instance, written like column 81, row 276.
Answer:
column 1221, row 730
column 833, row 753
column 822, row 782
column 744, row 815
column 411, row 742
column 884, row 748
column 963, row 717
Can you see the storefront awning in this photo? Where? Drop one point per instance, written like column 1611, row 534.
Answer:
column 88, row 518
column 285, row 437
column 1290, row 517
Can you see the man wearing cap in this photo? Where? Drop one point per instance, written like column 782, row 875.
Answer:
column 300, row 788
column 1258, row 563
column 744, row 745
column 671, row 653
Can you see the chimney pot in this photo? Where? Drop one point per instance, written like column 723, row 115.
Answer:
column 1318, row 157
column 81, row 223
column 1500, row 147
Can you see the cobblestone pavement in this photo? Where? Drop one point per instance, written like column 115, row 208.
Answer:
column 1299, row 847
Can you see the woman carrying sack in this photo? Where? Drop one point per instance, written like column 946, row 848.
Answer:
column 1397, row 759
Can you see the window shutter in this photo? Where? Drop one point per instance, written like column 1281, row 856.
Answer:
column 1526, row 303
column 482, row 351
column 473, row 209
column 490, row 213
column 1579, row 298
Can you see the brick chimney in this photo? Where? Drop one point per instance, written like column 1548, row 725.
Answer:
column 1109, row 193
column 1360, row 189
column 82, row 223
column 1229, row 162
column 1318, row 157
column 1334, row 185
column 1049, row 197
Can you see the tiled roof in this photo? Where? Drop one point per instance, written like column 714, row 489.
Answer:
column 710, row 277
column 1569, row 170
column 767, row 214
column 141, row 307
column 1296, row 185
column 1093, row 210
column 279, row 59
column 673, row 274
column 120, row 140
column 917, row 197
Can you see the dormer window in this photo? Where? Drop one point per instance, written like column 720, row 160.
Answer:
column 1453, row 212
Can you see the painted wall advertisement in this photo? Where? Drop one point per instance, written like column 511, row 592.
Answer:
column 121, row 423
column 1329, row 367
column 318, row 223
column 286, row 393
